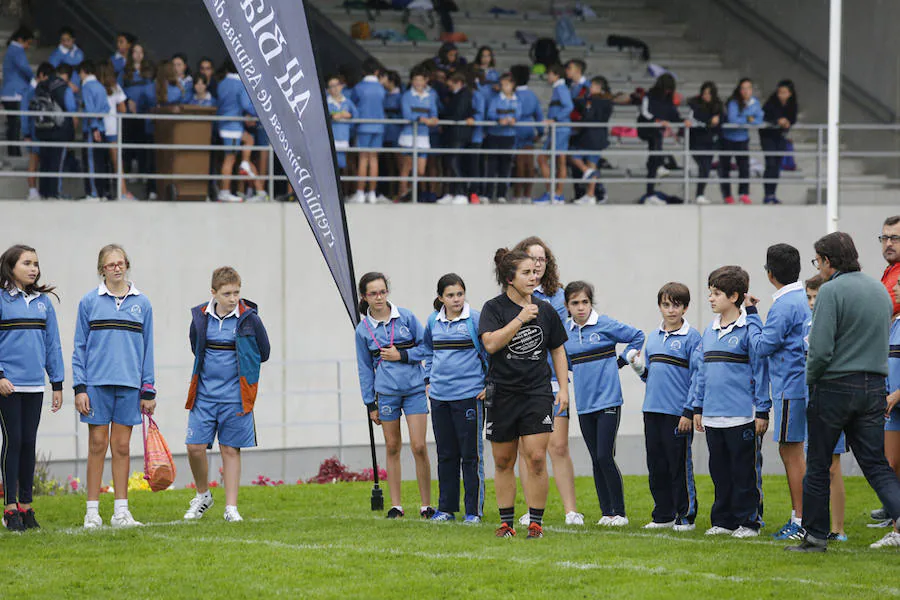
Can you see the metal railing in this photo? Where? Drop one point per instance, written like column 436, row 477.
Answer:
column 681, row 148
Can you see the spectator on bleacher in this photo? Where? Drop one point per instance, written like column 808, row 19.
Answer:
column 484, row 60
column 132, row 70
column 779, row 113
column 53, row 159
column 531, row 112
column 596, row 107
column 200, row 95
column 743, row 108
column 368, row 96
column 96, row 159
column 389, row 162
column 474, row 164
column 437, row 83
column 124, row 42
column 133, row 86
column 705, row 120
column 67, row 52
column 506, row 111
column 206, row 68
column 341, row 110
column 168, row 87
column 657, row 107
column 140, row 89
column 579, row 86
column 559, row 111
column 458, row 107
column 116, row 102
column 44, row 72
column 448, row 58
column 17, row 76
column 183, row 73
column 254, row 135
column 419, row 105
column 228, row 104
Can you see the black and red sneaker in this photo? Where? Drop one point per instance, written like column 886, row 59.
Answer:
column 394, row 513
column 28, row 519
column 505, row 531
column 427, row 512
column 12, row 520
column 535, row 531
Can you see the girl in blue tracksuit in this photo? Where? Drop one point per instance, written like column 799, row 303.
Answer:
column 17, row 76
column 341, row 109
column 743, row 108
column 779, row 113
column 658, row 107
column 112, row 372
column 591, row 350
column 200, row 95
column 506, row 110
column 418, row 104
column 29, row 346
column 185, row 79
column 559, row 111
column 95, row 100
column 454, row 374
column 390, row 348
column 67, row 52
column 525, row 136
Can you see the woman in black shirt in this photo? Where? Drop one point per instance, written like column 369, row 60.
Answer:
column 519, row 331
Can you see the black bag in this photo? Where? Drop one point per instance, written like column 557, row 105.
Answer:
column 49, row 97
column 545, row 52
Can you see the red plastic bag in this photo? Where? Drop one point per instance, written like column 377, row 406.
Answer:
column 159, row 468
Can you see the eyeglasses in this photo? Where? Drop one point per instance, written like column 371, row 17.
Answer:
column 378, row 294
column 539, row 259
column 116, row 266
column 894, row 239
column 816, row 263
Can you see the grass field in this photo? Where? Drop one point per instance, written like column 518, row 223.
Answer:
column 321, row 541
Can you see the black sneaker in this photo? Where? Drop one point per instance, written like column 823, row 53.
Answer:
column 28, row 519
column 807, row 546
column 394, row 513
column 12, row 520
column 427, row 513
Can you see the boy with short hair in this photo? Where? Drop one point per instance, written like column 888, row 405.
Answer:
column 667, row 411
column 368, row 95
column 96, row 159
column 731, row 404
column 341, row 110
column 559, row 111
column 229, row 343
column 781, row 342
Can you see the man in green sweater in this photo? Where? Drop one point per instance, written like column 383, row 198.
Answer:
column 845, row 371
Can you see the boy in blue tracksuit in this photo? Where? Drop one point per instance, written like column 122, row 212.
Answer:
column 743, row 108
column 730, row 399
column 228, row 104
column 418, row 104
column 368, row 96
column 17, row 76
column 591, row 350
column 506, row 111
column 781, row 342
column 390, row 348
column 341, row 109
column 666, row 367
column 454, row 373
column 29, row 347
column 559, row 111
column 68, row 53
column 229, row 342
column 96, row 160
column 112, row 371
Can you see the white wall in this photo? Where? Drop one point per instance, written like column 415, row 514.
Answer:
column 628, row 252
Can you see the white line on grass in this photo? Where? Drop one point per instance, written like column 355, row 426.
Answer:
column 109, row 528
column 617, row 566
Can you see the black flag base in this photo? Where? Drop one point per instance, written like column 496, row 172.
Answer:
column 377, row 498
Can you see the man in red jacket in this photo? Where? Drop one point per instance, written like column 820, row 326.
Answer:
column 890, row 249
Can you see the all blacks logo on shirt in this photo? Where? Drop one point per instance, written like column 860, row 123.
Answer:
column 527, row 343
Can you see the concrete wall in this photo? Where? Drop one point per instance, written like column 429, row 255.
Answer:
column 626, row 251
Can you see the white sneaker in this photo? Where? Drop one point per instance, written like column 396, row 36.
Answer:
column 574, row 518
column 152, row 196
column 372, row 198
column 502, row 200
column 94, row 521
column 486, row 200
column 655, row 525
column 654, row 200
column 382, row 199
column 586, row 200
column 459, row 200
column 587, row 174
column 358, row 198
column 716, row 530
column 199, row 505
column 702, row 200
column 525, row 520
column 445, row 199
column 33, row 194
column 662, row 172
column 247, row 169
column 889, row 541
column 617, row 521
column 226, row 196
column 745, row 532
column 604, row 521
column 232, row 515
column 258, row 197
column 124, row 519
column 685, row 527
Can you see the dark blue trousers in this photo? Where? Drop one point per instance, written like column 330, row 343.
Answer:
column 671, row 470
column 600, row 430
column 457, row 433
column 733, row 459
column 20, row 415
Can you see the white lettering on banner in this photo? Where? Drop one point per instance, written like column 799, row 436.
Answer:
column 289, row 89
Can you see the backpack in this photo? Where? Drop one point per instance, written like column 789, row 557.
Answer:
column 545, row 52
column 44, row 102
column 565, row 33
column 415, row 34
column 361, row 31
column 482, row 354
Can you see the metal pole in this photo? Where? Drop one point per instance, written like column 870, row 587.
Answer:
column 552, row 161
column 415, row 181
column 686, row 166
column 340, row 407
column 120, row 169
column 834, row 113
column 819, row 137
column 271, row 173
column 377, row 493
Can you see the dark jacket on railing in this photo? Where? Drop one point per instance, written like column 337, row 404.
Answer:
column 703, row 135
column 457, row 107
column 594, row 110
column 773, row 110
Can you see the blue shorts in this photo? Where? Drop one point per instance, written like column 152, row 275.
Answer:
column 342, row 160
column 232, row 145
column 554, row 386
column 562, row 140
column 390, row 407
column 594, row 159
column 790, row 420
column 207, row 419
column 369, row 140
column 841, row 446
column 524, row 142
column 892, row 422
column 113, row 404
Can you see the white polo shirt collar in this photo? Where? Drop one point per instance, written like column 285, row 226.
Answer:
column 592, row 320
column 791, row 287
column 211, row 311
column 442, row 315
column 685, row 328
column 395, row 314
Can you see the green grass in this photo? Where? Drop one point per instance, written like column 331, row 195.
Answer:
column 321, row 541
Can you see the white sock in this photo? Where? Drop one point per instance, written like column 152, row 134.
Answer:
column 795, row 519
column 120, row 506
column 230, row 507
column 93, row 507
column 398, row 507
column 205, row 495
column 423, row 508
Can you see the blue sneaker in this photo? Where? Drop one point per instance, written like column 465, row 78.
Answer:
column 790, row 531
column 559, row 199
column 442, row 516
column 545, row 199
column 472, row 520
column 837, row 537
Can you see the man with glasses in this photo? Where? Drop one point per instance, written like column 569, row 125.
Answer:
column 845, row 371
column 890, row 250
